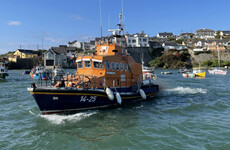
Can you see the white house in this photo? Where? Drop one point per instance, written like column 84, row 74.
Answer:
column 61, row 55
column 173, row 45
column 75, row 43
column 200, row 44
column 185, row 36
column 204, row 33
column 165, row 35
column 54, row 57
column 137, row 40
column 200, row 49
column 224, row 33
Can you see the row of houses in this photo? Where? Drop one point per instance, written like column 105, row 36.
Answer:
column 209, row 45
column 201, row 34
column 65, row 55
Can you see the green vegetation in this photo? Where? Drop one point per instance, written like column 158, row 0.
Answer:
column 217, row 34
column 179, row 41
column 41, row 51
column 171, row 39
column 214, row 63
column 7, row 54
column 172, row 60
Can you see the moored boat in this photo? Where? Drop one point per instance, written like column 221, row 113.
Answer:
column 217, row 71
column 184, row 70
column 26, row 72
column 39, row 72
column 188, row 75
column 3, row 72
column 109, row 77
column 198, row 72
column 167, row 72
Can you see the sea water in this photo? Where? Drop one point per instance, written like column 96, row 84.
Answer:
column 188, row 113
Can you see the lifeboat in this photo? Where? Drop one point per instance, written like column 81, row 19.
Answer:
column 109, row 77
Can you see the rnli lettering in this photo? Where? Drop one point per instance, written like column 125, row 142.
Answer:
column 88, row 99
column 55, row 98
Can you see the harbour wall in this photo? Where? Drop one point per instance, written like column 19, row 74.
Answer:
column 27, row 63
column 224, row 56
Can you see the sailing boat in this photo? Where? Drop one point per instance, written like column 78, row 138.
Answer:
column 198, row 72
column 218, row 70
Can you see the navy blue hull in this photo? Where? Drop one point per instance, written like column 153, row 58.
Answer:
column 63, row 100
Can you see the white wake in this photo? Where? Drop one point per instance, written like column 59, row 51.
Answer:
column 60, row 119
column 187, row 90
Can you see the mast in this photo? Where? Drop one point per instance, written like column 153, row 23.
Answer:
column 122, row 13
column 218, row 54
column 100, row 18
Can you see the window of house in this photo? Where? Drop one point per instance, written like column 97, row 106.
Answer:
column 117, row 66
column 126, row 66
column 107, row 65
column 140, row 39
column 133, row 41
column 97, row 65
column 129, row 41
column 87, row 64
column 144, row 40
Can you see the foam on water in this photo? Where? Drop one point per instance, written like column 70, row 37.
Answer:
column 60, row 119
column 187, row 90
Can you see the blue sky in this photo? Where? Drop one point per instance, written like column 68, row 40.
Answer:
column 27, row 22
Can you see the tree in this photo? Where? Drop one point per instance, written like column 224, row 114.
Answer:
column 206, row 63
column 217, row 34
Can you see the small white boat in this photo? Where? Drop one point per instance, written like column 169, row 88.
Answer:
column 217, row 71
column 166, row 72
column 188, row 75
column 185, row 70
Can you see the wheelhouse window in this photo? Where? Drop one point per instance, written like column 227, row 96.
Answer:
column 121, row 66
column 126, row 67
column 112, row 66
column 87, row 64
column 117, row 66
column 79, row 65
column 97, row 65
column 107, row 65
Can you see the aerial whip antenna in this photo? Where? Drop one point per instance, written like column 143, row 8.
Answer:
column 100, row 18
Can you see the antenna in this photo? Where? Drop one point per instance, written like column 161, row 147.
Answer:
column 122, row 13
column 100, row 18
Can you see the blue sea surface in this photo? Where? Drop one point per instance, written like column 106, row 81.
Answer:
column 188, row 113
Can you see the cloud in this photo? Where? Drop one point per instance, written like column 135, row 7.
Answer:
column 77, row 17
column 14, row 23
column 55, row 40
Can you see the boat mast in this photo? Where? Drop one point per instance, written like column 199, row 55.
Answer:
column 218, row 54
column 100, row 18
